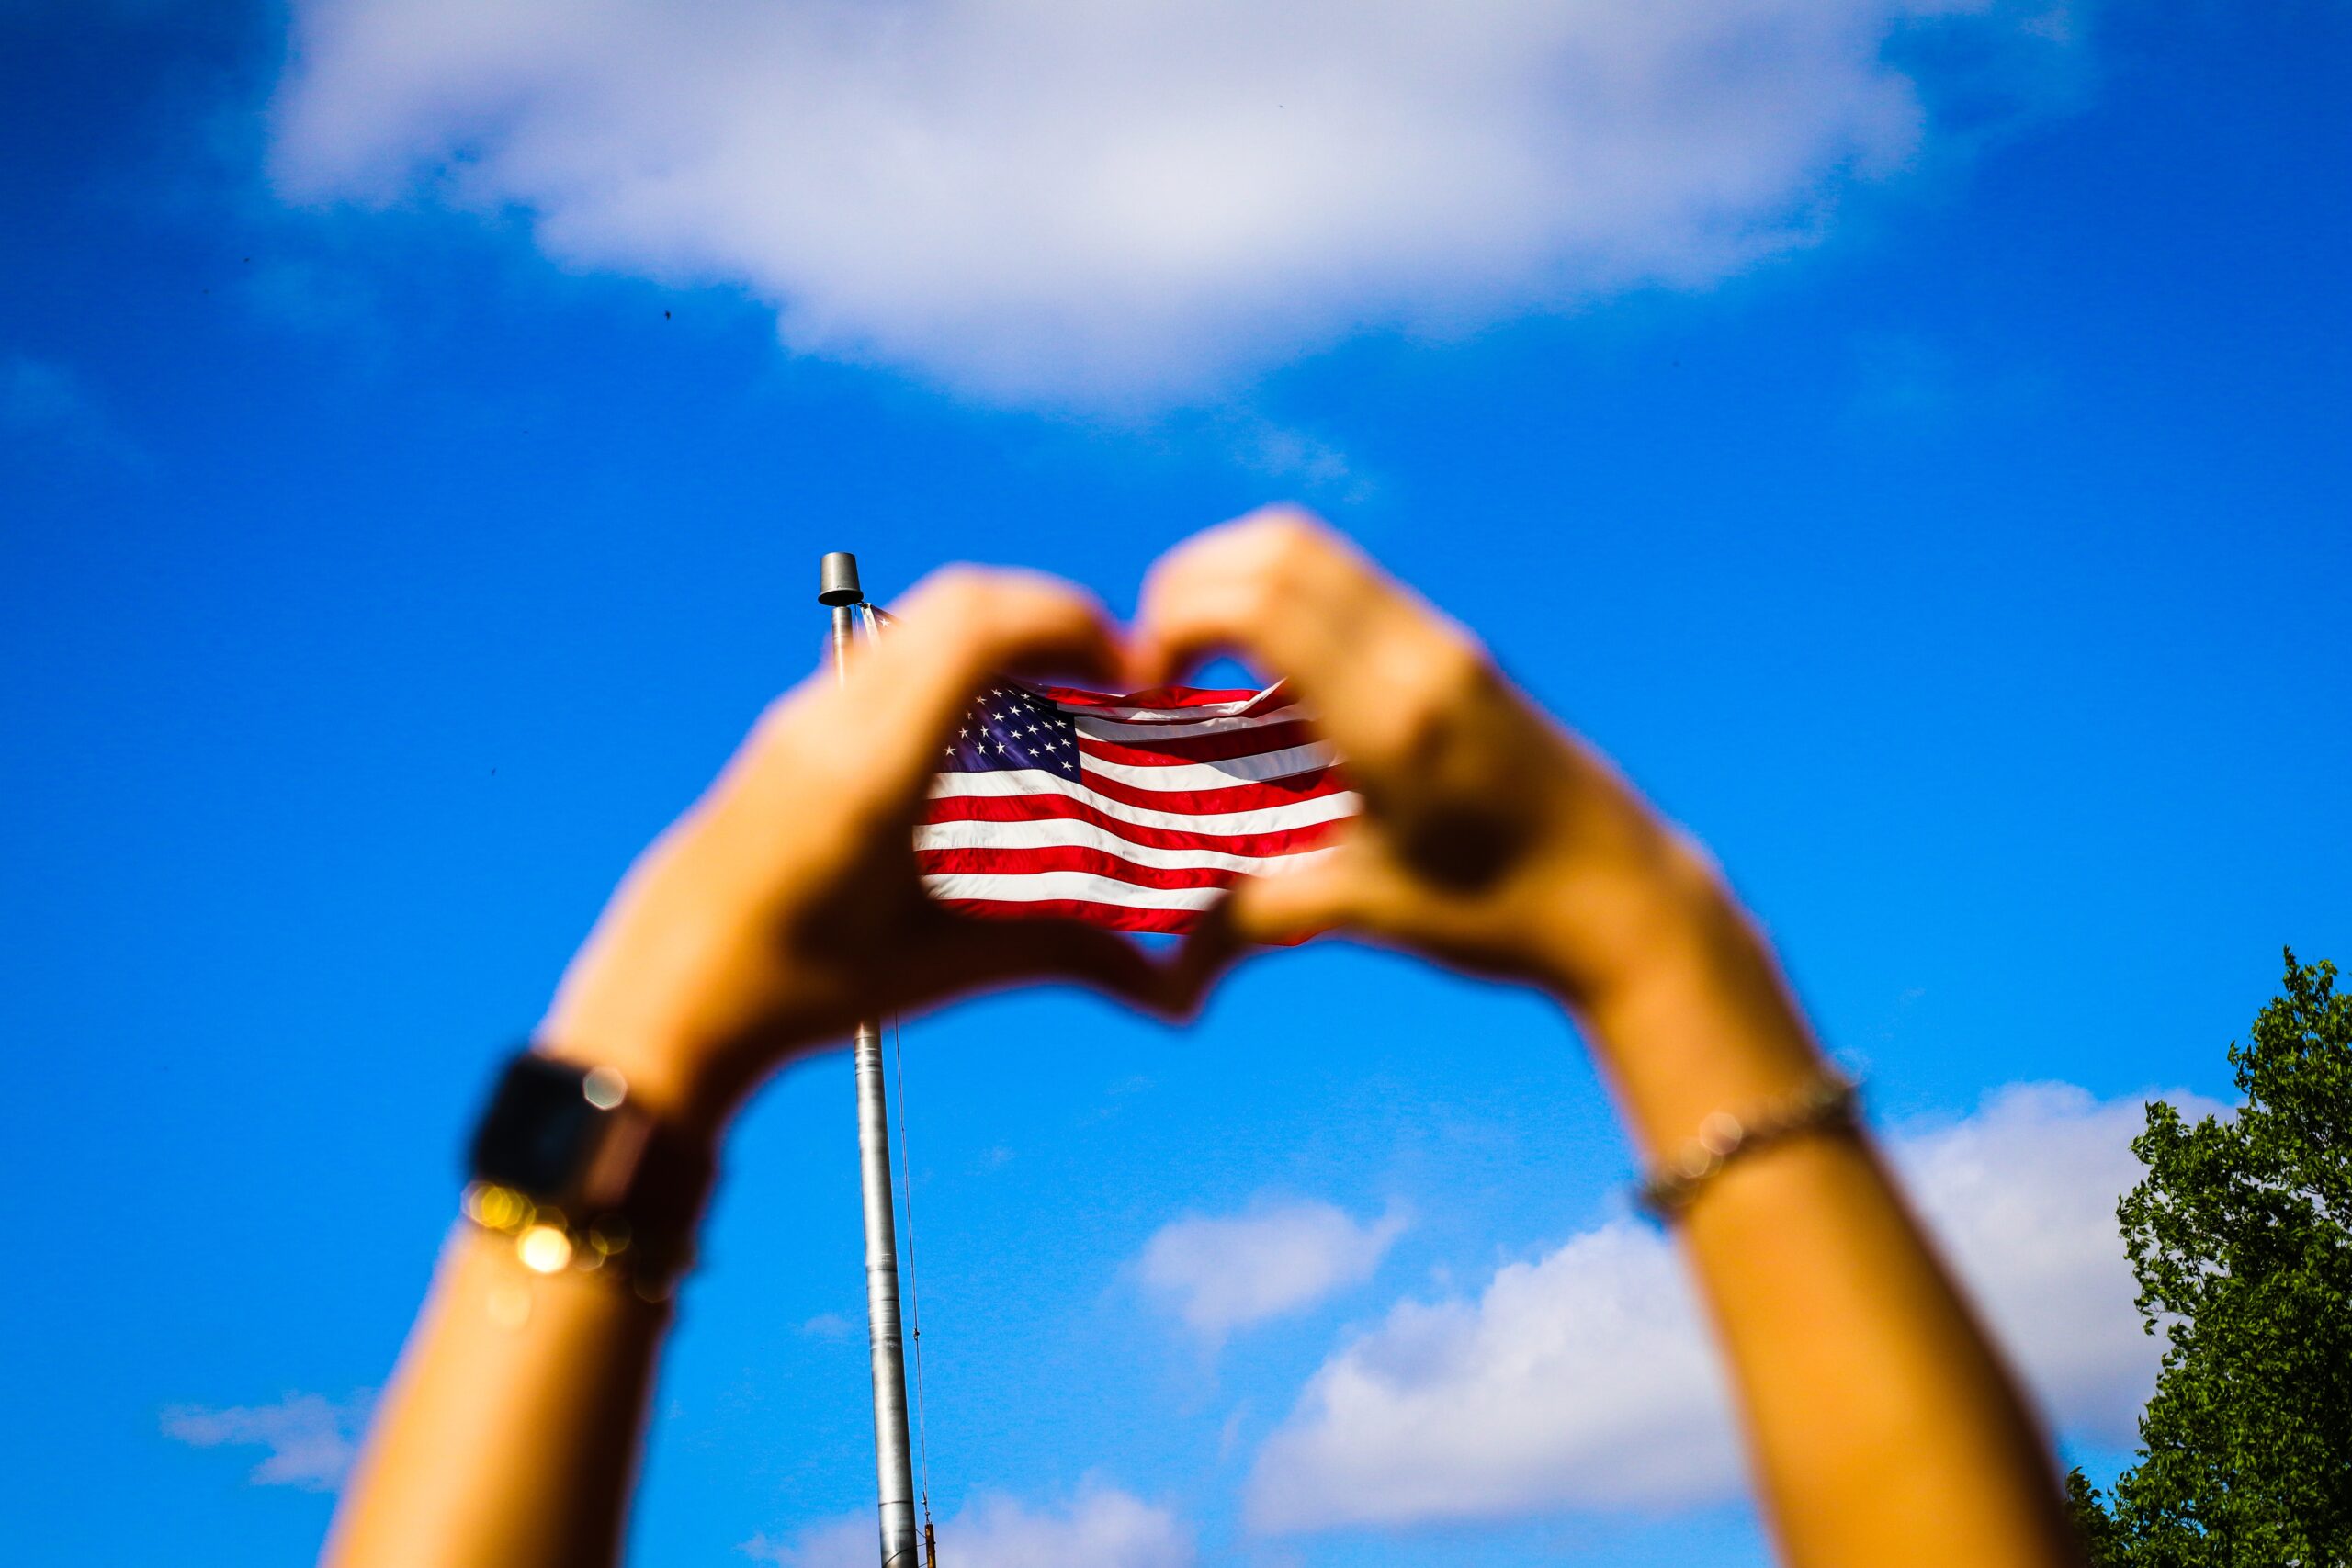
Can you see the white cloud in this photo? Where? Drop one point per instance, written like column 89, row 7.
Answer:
column 1581, row 1381
column 1219, row 1274
column 1585, row 1380
column 1135, row 202
column 845, row 1542
column 2023, row 1197
column 311, row 1438
column 1103, row 1528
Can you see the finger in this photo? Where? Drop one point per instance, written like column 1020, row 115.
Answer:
column 1207, row 952
column 957, row 629
column 1283, row 908
column 1296, row 599
column 1262, row 586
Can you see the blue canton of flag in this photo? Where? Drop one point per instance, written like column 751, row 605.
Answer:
column 1009, row 728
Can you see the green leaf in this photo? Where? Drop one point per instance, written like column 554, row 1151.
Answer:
column 2238, row 1238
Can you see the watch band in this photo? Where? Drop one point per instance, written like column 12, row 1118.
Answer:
column 583, row 1178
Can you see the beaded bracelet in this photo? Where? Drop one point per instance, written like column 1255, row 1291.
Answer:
column 1828, row 1099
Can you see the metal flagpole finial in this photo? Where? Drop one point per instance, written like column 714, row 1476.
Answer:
column 837, row 581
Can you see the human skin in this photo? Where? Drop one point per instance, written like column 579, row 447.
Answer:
column 1879, row 1422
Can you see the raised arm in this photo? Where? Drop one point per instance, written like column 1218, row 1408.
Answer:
column 752, row 932
column 1881, row 1422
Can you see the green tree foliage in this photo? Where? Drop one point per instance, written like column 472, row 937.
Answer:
column 2239, row 1237
column 2103, row 1540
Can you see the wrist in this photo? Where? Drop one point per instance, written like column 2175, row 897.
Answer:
column 1694, row 1014
column 675, row 1084
column 1655, row 915
column 659, row 993
column 663, row 1002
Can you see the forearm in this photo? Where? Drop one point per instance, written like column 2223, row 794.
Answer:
column 509, row 1436
column 1883, row 1426
column 511, row 1432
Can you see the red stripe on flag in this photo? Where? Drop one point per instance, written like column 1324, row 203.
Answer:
column 1216, row 748
column 1071, row 857
column 1063, row 808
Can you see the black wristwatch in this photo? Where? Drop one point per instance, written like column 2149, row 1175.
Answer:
column 582, row 1178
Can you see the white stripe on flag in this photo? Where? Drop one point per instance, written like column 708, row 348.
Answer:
column 1063, row 833
column 1039, row 885
column 1263, row 819
column 1285, row 764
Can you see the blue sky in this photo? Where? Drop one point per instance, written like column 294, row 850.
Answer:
column 397, row 533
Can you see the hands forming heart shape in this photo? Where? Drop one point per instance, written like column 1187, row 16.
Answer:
column 786, row 904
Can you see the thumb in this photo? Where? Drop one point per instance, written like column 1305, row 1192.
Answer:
column 1284, row 907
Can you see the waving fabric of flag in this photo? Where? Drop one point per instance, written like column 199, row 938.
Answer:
column 1134, row 813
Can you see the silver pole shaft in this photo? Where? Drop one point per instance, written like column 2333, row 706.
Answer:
column 893, row 1465
column 894, row 1471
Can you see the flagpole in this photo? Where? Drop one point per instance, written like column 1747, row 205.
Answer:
column 893, row 1462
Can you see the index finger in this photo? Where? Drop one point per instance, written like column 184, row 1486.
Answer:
column 1285, row 592
column 955, row 630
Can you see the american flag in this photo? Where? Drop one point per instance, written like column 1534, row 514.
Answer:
column 1134, row 813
